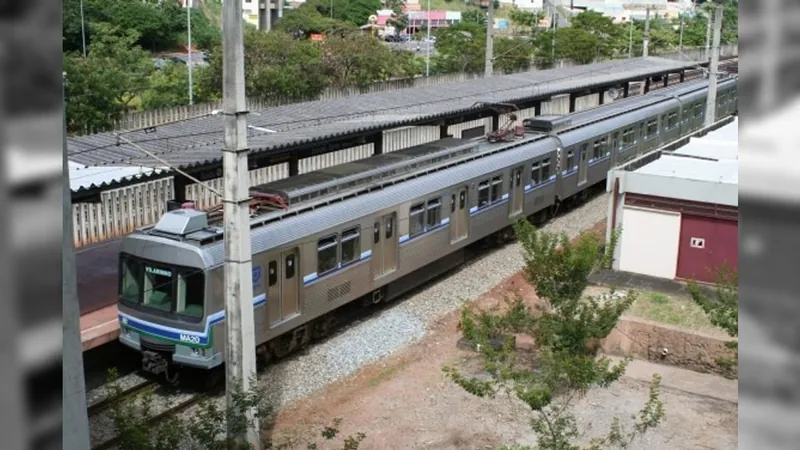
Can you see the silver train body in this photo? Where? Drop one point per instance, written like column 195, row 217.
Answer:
column 377, row 244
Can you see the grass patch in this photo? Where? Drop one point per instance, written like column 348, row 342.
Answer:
column 385, row 375
column 677, row 311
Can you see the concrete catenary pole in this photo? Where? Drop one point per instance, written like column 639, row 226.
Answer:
column 708, row 34
column 489, row 67
column 712, row 69
column 428, row 44
column 75, row 431
column 240, row 355
column 646, row 39
column 189, row 39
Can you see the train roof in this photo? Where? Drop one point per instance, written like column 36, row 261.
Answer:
column 297, row 228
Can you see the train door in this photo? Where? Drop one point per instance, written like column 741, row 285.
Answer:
column 516, row 191
column 583, row 165
column 459, row 216
column 282, row 287
column 289, row 300
column 384, row 245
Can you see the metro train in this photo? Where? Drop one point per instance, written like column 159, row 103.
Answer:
column 373, row 229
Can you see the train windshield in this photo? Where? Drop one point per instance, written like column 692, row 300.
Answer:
column 162, row 289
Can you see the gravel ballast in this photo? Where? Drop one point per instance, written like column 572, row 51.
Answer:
column 394, row 328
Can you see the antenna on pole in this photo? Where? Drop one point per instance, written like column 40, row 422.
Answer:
column 489, row 68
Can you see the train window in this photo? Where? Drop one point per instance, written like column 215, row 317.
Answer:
column 597, row 148
column 190, row 294
column 615, row 140
column 434, row 213
column 158, row 288
column 462, row 200
column 351, row 245
column 628, row 137
column 497, row 183
column 518, row 177
column 570, row 160
column 453, row 203
column 272, row 275
column 546, row 169
column 327, row 258
column 389, row 227
column 642, row 131
column 652, row 127
column 535, row 174
column 416, row 220
column 376, row 233
column 672, row 120
column 290, row 267
column 483, row 193
column 131, row 281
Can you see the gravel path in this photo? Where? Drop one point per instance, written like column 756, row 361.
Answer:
column 394, row 328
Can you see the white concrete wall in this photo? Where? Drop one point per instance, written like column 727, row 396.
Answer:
column 334, row 158
column 456, row 129
column 405, row 137
column 649, row 242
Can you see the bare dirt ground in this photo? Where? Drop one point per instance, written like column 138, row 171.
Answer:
column 405, row 402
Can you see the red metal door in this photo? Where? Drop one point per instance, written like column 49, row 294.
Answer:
column 706, row 245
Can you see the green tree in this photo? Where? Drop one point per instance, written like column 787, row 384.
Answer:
column 277, row 67
column 474, row 16
column 169, row 86
column 307, row 20
column 354, row 12
column 567, row 329
column 528, row 20
column 398, row 19
column 723, row 311
column 103, row 85
column 512, row 55
column 460, row 48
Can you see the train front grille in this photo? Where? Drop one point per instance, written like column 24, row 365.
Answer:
column 156, row 346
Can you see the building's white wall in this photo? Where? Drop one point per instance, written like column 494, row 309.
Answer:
column 649, row 242
column 347, row 155
column 456, row 129
column 405, row 137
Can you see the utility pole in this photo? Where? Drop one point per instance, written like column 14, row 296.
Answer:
column 708, row 34
column 83, row 31
column 189, row 30
column 489, row 67
column 75, row 431
column 240, row 354
column 428, row 44
column 680, row 38
column 630, row 40
column 646, row 39
column 553, row 40
column 711, row 101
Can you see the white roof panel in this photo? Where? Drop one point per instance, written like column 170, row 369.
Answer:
column 85, row 176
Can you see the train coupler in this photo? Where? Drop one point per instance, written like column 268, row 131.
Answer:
column 156, row 364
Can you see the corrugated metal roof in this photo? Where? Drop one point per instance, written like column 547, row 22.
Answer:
column 82, row 176
column 198, row 142
column 701, row 161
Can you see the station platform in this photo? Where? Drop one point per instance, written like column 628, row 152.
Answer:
column 99, row 327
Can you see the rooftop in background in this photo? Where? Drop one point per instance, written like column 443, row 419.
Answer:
column 197, row 143
column 705, row 170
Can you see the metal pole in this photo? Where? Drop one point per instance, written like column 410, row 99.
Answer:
column 630, row 41
column 488, row 66
column 646, row 39
column 83, row 31
column 76, row 421
column 428, row 43
column 189, row 29
column 708, row 36
column 240, row 355
column 711, row 101
column 553, row 40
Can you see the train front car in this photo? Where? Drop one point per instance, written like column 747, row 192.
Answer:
column 163, row 302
